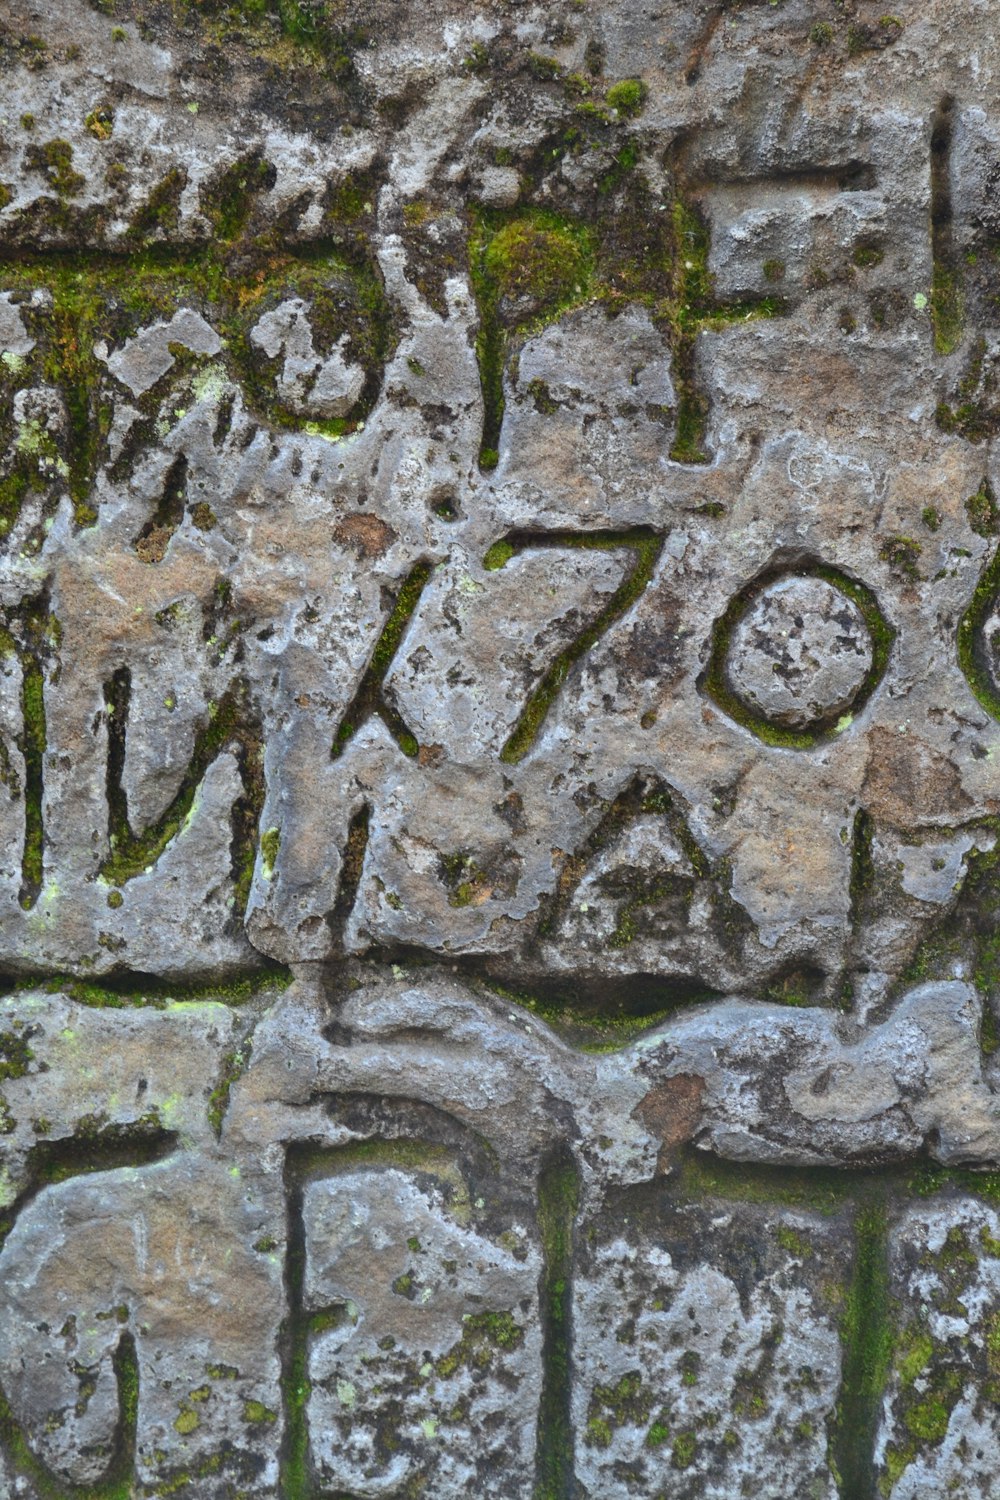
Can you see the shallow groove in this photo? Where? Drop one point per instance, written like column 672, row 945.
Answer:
column 33, row 623
column 946, row 288
column 370, row 698
column 54, row 1162
column 714, row 681
column 231, row 721
column 867, row 1340
column 350, row 875
column 558, row 1203
column 646, row 544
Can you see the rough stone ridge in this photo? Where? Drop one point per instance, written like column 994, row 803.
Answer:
column 499, row 702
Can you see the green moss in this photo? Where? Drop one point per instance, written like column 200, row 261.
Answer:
column 558, row 1203
column 536, row 260
column 135, row 990
column 868, row 253
column 598, row 1432
column 862, row 876
column 981, row 508
column 256, row 1413
column 614, row 1406
column 403, row 1286
column 657, row 1435
column 100, row 123
column 867, row 1340
column 477, row 59
column 684, row 1450
column 821, row 34
column 484, row 1336
column 914, row 1355
column 234, row 1065
column 542, row 398
column 15, row 1054
column 542, row 67
column 526, row 268
column 270, row 843
column 774, row 270
column 692, row 415
column 902, row 553
column 500, row 553
column 628, row 96
column 824, row 1191
column 791, row 1240
column 608, row 1028
column 927, row 1419
column 54, row 161
column 577, row 86
column 229, row 200
column 971, row 652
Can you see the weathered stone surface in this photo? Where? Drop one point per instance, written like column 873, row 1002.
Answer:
column 499, row 700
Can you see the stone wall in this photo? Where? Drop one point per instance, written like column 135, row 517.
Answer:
column 499, row 682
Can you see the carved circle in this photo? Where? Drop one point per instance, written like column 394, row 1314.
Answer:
column 797, row 652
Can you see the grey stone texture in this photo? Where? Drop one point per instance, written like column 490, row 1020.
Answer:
column 499, row 701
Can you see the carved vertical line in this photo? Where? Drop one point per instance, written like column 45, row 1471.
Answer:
column 350, row 875
column 558, row 1201
column 117, row 697
column 866, row 1342
column 29, row 640
column 33, row 751
column 293, row 1461
column 862, row 866
column 946, row 286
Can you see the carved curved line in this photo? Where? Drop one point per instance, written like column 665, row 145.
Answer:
column 64, row 1159
column 969, row 639
column 714, row 681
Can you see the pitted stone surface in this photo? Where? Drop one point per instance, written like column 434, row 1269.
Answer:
column 800, row 653
column 499, row 715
